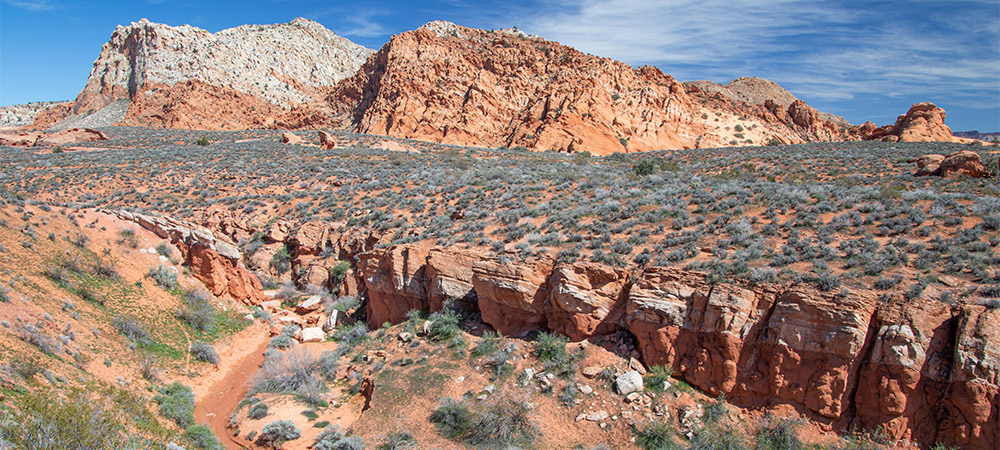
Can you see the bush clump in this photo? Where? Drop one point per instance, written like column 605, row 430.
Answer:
column 278, row 432
column 198, row 312
column 133, row 329
column 163, row 276
column 177, row 403
column 333, row 438
column 201, row 436
column 502, row 423
column 204, row 351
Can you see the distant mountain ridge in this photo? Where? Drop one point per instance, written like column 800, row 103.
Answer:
column 440, row 83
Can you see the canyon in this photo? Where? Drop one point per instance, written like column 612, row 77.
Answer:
column 916, row 369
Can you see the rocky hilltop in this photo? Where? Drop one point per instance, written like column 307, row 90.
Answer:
column 451, row 84
column 240, row 77
column 441, row 83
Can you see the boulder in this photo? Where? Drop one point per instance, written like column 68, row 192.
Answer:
column 628, row 382
column 963, row 163
column 70, row 136
column 290, row 138
column 312, row 334
column 309, row 305
column 326, row 141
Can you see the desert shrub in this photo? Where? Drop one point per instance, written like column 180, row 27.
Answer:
column 504, row 423
column 398, row 440
column 551, row 351
column 333, row 438
column 257, row 411
column 715, row 411
column 128, row 238
column 444, row 324
column 133, row 329
column 717, row 438
column 452, row 418
column 198, row 312
column 569, row 394
column 328, row 362
column 282, row 259
column 297, row 372
column 43, row 420
column 177, row 404
column 351, row 336
column 201, row 436
column 163, row 276
column 656, row 435
column 338, row 272
column 47, row 344
column 778, row 435
column 204, row 351
column 656, row 378
column 202, row 141
column 488, row 345
column 644, row 167
column 107, row 270
column 281, row 341
column 278, row 432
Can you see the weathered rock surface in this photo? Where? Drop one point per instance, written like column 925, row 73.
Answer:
column 923, row 122
column 214, row 261
column 582, row 297
column 57, row 138
column 513, row 296
column 170, row 73
column 961, row 163
column 23, row 115
column 449, row 277
column 396, row 282
column 451, row 84
column 922, row 370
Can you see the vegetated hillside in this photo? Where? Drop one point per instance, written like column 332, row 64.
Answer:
column 820, row 279
column 252, row 76
column 99, row 320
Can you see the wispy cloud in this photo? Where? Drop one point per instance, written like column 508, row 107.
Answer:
column 364, row 25
column 818, row 49
column 31, row 5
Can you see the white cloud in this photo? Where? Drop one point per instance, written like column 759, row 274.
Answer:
column 817, row 49
column 31, row 5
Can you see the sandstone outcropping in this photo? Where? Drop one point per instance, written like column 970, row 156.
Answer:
column 54, row 139
column 250, row 76
column 214, row 261
column 922, row 122
column 921, row 370
column 961, row 163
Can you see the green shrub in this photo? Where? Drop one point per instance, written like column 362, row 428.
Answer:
column 504, row 423
column 488, row 345
column 296, row 372
column 278, row 432
column 133, row 329
column 177, row 403
column 644, row 167
column 551, row 351
column 452, row 418
column 444, row 324
column 338, row 272
column 201, row 436
column 398, row 440
column 282, row 260
column 204, row 351
column 333, row 438
column 202, row 141
column 198, row 312
column 717, row 438
column 656, row 435
column 656, row 377
column 257, row 411
column 778, row 435
column 163, row 276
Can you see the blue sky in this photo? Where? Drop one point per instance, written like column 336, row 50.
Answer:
column 859, row 59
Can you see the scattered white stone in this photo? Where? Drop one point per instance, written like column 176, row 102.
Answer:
column 460, row 379
column 628, row 382
column 584, row 389
column 312, row 334
column 490, row 389
column 406, row 336
column 597, row 416
column 163, row 258
column 581, row 417
column 143, row 251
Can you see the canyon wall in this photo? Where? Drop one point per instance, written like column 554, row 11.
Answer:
column 917, row 369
